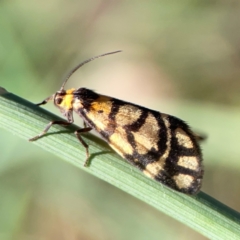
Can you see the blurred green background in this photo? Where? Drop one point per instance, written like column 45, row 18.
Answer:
column 180, row 57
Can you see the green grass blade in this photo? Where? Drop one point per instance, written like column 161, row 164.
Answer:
column 202, row 213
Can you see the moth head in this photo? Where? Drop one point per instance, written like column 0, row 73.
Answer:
column 63, row 99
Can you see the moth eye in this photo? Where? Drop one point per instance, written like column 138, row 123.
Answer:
column 58, row 101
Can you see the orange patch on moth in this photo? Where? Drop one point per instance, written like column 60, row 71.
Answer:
column 103, row 104
column 67, row 102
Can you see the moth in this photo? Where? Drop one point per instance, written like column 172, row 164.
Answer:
column 162, row 146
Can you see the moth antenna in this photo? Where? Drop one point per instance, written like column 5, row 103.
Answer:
column 83, row 63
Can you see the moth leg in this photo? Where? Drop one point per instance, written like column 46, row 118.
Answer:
column 78, row 135
column 85, row 124
column 47, row 128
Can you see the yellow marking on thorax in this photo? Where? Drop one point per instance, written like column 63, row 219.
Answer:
column 99, row 112
column 102, row 103
column 67, row 102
